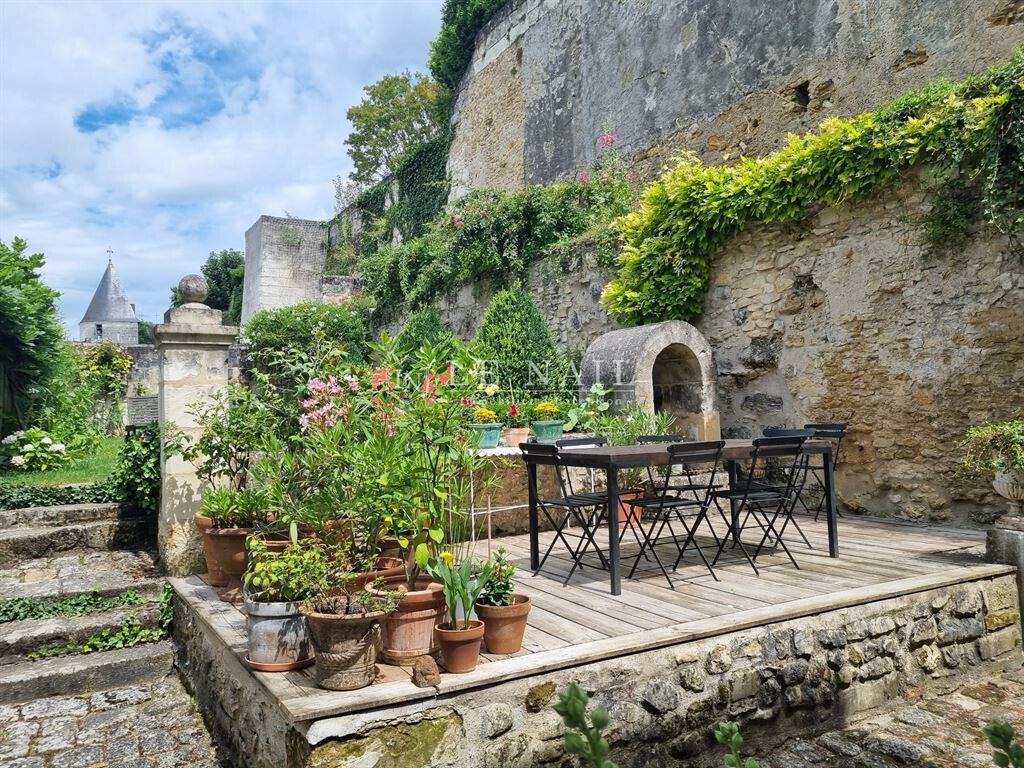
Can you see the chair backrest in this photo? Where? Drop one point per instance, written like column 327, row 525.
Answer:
column 830, row 430
column 782, row 432
column 540, row 453
column 696, row 453
column 646, row 439
column 581, row 442
column 691, row 460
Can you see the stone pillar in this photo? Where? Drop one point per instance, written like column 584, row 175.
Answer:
column 193, row 348
column 1004, row 543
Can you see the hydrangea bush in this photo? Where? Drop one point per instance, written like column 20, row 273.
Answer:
column 33, row 450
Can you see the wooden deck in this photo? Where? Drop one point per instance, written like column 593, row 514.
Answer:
column 582, row 623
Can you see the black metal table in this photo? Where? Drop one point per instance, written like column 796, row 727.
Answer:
column 610, row 459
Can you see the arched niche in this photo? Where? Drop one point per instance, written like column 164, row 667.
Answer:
column 666, row 366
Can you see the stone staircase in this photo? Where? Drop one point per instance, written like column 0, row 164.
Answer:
column 85, row 551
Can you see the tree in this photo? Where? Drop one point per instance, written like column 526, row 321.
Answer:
column 225, row 273
column 146, row 329
column 425, row 325
column 30, row 332
column 398, row 113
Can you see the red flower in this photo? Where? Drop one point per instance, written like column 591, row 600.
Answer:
column 513, row 409
column 584, row 177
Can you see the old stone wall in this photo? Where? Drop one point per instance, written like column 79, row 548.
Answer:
column 780, row 680
column 549, row 76
column 144, row 377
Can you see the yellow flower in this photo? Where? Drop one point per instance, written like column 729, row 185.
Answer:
column 491, row 390
column 448, row 557
column 484, row 416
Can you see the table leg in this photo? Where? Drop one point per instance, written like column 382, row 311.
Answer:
column 734, row 504
column 531, row 482
column 830, row 506
column 613, row 530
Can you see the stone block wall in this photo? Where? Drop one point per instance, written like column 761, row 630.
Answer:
column 145, row 372
column 550, row 76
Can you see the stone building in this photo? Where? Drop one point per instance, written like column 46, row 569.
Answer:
column 110, row 316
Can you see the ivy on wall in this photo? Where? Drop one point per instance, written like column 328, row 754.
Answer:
column 971, row 131
column 452, row 49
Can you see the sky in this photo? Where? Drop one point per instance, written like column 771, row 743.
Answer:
column 162, row 130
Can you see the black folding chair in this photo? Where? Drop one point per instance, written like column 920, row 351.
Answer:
column 762, row 502
column 584, row 508
column 808, row 433
column 834, row 432
column 691, row 499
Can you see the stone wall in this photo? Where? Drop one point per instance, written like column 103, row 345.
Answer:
column 780, row 680
column 144, row 377
column 549, row 76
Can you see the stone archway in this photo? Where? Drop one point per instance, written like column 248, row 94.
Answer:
column 668, row 366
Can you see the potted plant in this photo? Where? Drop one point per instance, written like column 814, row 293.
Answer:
column 547, row 428
column 234, row 515
column 503, row 611
column 996, row 449
column 275, row 585
column 346, row 632
column 486, row 428
column 459, row 637
column 516, row 430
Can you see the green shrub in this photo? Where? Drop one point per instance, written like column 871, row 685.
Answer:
column 975, row 128
column 136, row 477
column 16, row 496
column 518, row 348
column 425, row 325
column 452, row 49
column 295, row 330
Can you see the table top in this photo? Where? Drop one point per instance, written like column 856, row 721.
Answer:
column 654, row 454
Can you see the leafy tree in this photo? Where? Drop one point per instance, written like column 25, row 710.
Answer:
column 146, row 329
column 452, row 49
column 225, row 273
column 398, row 113
column 425, row 325
column 518, row 347
column 30, row 332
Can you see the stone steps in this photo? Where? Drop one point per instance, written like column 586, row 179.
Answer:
column 87, row 673
column 64, row 514
column 18, row 639
column 38, row 541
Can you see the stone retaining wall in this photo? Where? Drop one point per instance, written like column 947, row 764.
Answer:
column 779, row 680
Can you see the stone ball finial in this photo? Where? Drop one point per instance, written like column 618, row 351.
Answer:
column 194, row 289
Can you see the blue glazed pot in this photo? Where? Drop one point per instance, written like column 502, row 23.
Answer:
column 487, row 435
column 547, row 431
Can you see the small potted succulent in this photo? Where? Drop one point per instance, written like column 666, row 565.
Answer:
column 275, row 585
column 234, row 515
column 459, row 637
column 502, row 610
column 345, row 629
column 996, row 449
column 546, row 426
column 486, row 427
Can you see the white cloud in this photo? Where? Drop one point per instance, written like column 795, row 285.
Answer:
column 279, row 77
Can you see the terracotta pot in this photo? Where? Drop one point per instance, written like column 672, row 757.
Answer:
column 389, row 548
column 513, row 436
column 504, row 624
column 228, row 551
column 460, row 648
column 628, row 515
column 214, row 573
column 346, row 648
column 278, row 637
column 385, row 568
column 409, row 632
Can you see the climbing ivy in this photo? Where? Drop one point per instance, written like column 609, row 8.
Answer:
column 452, row 49
column 20, row 608
column 974, row 130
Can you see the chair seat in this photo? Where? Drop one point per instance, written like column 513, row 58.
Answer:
column 740, row 493
column 667, row 502
column 577, row 500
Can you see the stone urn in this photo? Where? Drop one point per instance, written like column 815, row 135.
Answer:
column 1009, row 483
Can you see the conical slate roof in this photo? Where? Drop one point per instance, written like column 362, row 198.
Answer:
column 109, row 302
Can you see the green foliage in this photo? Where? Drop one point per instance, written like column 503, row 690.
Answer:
column 1008, row 752
column 30, row 333
column 975, row 129
column 33, row 450
column 584, row 737
column 452, row 49
column 297, row 573
column 993, row 446
column 425, row 325
column 20, row 608
column 729, row 734
column 235, row 421
column 494, row 235
column 461, row 588
column 296, row 331
column 500, row 582
column 235, row 508
column 398, row 113
column 137, row 474
column 585, row 414
column 107, row 365
column 517, row 347
column 19, row 496
column 956, row 206
column 224, row 271
column 146, row 335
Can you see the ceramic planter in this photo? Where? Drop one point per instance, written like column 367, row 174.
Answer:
column 409, row 631
column 346, row 648
column 547, row 431
column 486, row 435
column 214, row 573
column 1009, row 483
column 460, row 648
column 278, row 637
column 227, row 548
column 513, row 436
column 504, row 625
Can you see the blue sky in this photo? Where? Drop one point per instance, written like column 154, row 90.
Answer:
column 164, row 129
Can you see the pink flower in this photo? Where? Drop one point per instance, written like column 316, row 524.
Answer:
column 584, row 177
column 460, row 223
column 609, row 138
column 483, row 212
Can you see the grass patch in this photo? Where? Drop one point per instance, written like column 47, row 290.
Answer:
column 93, row 468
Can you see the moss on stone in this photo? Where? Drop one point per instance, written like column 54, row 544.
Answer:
column 393, row 745
column 538, row 697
